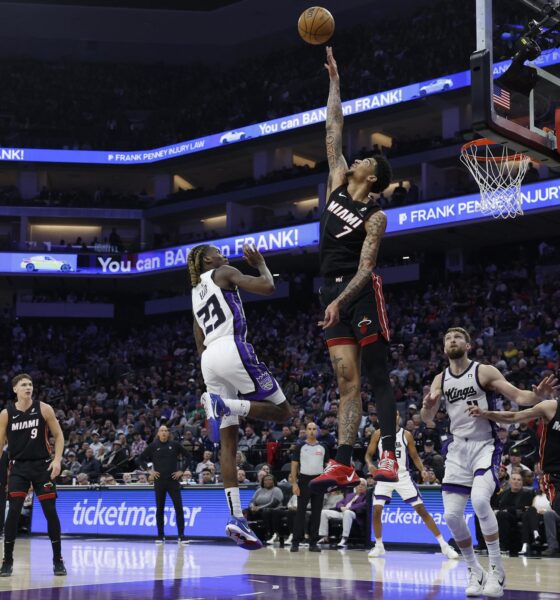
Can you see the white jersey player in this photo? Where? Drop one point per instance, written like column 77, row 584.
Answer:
column 237, row 383
column 405, row 487
column 474, row 455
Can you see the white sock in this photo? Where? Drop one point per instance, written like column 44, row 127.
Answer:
column 470, row 557
column 378, row 541
column 494, row 555
column 234, row 501
column 238, row 408
column 440, row 540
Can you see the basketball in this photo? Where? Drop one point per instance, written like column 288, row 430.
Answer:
column 316, row 25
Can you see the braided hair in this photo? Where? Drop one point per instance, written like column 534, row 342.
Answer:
column 194, row 262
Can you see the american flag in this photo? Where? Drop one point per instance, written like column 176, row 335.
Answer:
column 502, row 98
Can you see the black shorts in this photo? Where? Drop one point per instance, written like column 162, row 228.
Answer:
column 364, row 320
column 26, row 473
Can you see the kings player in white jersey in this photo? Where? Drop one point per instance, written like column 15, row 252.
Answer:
column 405, row 486
column 475, row 453
column 237, row 383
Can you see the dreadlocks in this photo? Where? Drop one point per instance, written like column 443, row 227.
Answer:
column 194, row 262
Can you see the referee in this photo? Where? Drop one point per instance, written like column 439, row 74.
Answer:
column 163, row 455
column 308, row 461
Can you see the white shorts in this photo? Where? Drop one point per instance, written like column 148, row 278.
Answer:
column 467, row 459
column 231, row 369
column 405, row 487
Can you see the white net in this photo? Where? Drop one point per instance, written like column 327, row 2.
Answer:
column 499, row 174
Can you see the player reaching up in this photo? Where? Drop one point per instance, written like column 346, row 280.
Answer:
column 355, row 322
column 404, row 448
column 230, row 367
column 474, row 456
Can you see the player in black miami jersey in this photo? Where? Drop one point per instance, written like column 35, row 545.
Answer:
column 26, row 424
column 355, row 322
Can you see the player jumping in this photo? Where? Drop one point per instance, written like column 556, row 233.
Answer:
column 230, row 367
column 355, row 322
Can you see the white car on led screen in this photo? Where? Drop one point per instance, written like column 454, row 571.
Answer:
column 45, row 263
column 438, row 85
column 233, row 136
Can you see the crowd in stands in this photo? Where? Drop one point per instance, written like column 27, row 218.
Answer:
column 112, row 385
column 145, row 106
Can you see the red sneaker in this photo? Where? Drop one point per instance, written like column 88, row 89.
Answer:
column 387, row 467
column 334, row 476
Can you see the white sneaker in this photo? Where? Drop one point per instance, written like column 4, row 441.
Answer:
column 343, row 543
column 323, row 540
column 448, row 551
column 289, row 539
column 495, row 583
column 377, row 550
column 476, row 582
column 273, row 539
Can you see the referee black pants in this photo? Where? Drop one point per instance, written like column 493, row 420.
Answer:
column 305, row 495
column 173, row 488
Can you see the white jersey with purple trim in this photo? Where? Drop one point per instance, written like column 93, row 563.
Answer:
column 460, row 391
column 218, row 312
column 401, row 452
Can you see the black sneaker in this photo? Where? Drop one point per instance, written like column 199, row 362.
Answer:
column 160, row 540
column 314, row 548
column 182, row 541
column 294, row 548
column 7, row 568
column 58, row 567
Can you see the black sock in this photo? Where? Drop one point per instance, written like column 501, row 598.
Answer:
column 344, row 454
column 56, row 549
column 9, row 551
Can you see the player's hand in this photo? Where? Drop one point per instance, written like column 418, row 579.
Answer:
column 332, row 315
column 253, row 256
column 343, row 509
column 54, row 468
column 431, row 399
column 372, row 470
column 331, row 65
column 177, row 475
column 295, row 489
column 547, row 388
column 475, row 411
column 153, row 474
column 424, row 475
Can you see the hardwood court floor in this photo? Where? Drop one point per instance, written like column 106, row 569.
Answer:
column 133, row 569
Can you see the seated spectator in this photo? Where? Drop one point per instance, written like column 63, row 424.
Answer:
column 433, row 460
column 352, row 507
column 205, row 463
column 65, row 478
column 512, row 508
column 268, row 496
column 187, row 478
column 515, row 461
column 82, row 479
column 90, row 465
column 430, row 477
column 242, row 463
column 206, row 477
column 241, row 477
column 142, row 479
column 248, row 440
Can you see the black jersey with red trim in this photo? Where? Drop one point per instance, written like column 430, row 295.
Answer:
column 27, row 433
column 342, row 232
column 550, row 444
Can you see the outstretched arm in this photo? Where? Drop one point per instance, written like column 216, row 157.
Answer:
column 230, row 277
column 375, row 228
column 432, row 400
column 492, row 379
column 335, row 119
column 545, row 409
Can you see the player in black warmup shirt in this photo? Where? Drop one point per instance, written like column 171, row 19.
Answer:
column 26, row 424
column 163, row 455
column 355, row 322
column 549, row 411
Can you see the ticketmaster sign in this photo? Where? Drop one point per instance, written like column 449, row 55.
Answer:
column 358, row 105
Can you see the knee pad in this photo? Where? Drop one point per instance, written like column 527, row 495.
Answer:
column 481, row 494
column 454, row 507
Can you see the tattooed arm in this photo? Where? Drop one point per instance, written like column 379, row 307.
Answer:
column 337, row 162
column 375, row 229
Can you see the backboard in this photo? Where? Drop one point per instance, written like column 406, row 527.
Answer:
column 517, row 103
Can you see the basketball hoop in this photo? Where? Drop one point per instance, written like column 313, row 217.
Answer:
column 499, row 173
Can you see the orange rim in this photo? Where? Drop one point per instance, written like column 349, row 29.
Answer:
column 517, row 156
